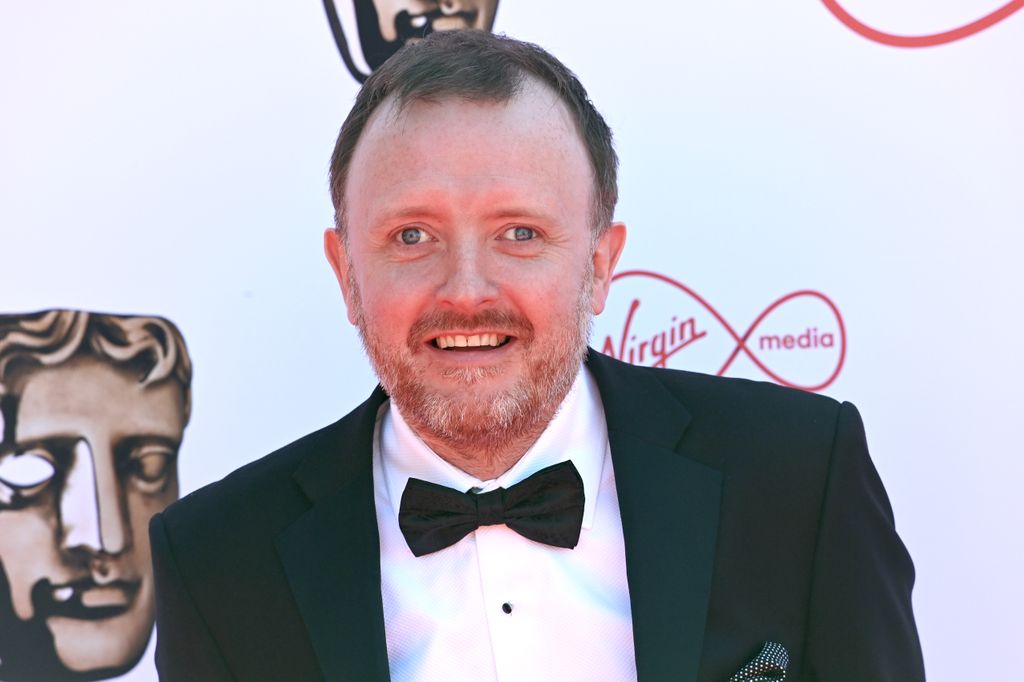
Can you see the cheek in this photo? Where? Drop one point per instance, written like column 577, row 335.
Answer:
column 555, row 298
column 141, row 508
column 24, row 533
column 386, row 12
column 487, row 10
column 27, row 553
column 392, row 303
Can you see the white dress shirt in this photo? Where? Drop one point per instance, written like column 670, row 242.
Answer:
column 496, row 606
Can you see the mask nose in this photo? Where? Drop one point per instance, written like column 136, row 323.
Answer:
column 90, row 505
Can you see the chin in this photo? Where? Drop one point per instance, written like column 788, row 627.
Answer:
column 100, row 649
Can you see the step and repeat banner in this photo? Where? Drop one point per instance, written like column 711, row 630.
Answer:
column 825, row 194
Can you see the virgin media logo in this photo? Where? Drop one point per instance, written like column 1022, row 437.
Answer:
column 798, row 340
column 929, row 40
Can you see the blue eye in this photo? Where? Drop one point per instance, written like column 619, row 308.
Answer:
column 412, row 235
column 520, row 233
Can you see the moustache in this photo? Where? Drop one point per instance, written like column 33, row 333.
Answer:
column 440, row 321
column 66, row 599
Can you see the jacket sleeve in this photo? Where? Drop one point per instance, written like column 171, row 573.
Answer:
column 860, row 621
column 185, row 649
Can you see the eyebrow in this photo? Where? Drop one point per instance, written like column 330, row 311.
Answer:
column 127, row 440
column 418, row 211
column 429, row 211
column 517, row 212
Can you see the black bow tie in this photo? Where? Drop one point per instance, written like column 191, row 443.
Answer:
column 546, row 507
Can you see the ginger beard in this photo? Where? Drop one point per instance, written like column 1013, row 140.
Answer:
column 470, row 417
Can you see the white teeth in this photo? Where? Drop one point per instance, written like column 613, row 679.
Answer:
column 418, row 21
column 63, row 593
column 471, row 341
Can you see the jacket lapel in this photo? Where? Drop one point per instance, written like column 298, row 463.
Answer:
column 669, row 504
column 331, row 554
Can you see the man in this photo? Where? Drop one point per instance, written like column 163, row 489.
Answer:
column 93, row 412
column 509, row 506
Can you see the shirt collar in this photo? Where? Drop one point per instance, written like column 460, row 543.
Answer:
column 578, row 433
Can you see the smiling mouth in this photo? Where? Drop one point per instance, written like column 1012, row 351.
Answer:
column 84, row 599
column 409, row 26
column 470, row 341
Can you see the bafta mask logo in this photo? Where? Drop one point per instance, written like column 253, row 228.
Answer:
column 369, row 31
column 93, row 409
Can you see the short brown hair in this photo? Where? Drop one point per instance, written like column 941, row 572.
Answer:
column 477, row 66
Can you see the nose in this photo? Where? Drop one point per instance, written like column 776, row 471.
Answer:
column 90, row 506
column 468, row 278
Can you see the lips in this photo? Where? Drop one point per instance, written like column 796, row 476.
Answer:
column 84, row 599
column 484, row 331
column 409, row 26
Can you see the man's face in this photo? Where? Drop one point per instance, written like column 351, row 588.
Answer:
column 469, row 225
column 404, row 19
column 94, row 458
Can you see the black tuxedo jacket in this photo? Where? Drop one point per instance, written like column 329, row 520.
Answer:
column 750, row 513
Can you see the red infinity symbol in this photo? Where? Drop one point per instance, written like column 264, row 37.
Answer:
column 942, row 38
column 741, row 340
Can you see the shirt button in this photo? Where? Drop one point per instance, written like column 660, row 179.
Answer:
column 506, row 607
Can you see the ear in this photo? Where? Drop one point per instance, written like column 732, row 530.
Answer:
column 606, row 256
column 337, row 256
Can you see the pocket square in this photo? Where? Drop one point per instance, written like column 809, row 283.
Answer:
column 768, row 666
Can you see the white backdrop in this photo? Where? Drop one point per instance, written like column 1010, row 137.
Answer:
column 170, row 158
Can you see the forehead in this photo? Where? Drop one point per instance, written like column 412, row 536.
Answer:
column 529, row 139
column 88, row 394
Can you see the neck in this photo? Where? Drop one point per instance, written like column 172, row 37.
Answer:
column 487, row 453
column 483, row 461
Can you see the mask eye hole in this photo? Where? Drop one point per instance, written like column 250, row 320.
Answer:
column 24, row 475
column 27, row 470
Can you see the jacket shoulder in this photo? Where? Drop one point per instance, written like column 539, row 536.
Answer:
column 238, row 499
column 704, row 391
column 267, row 494
column 714, row 395
column 729, row 422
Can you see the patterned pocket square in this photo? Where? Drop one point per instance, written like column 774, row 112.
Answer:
column 768, row 666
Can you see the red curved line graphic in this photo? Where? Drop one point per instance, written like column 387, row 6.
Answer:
column 741, row 341
column 942, row 38
column 688, row 290
column 742, row 346
column 664, row 359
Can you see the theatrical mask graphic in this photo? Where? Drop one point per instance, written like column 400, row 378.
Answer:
column 93, row 411
column 369, row 31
